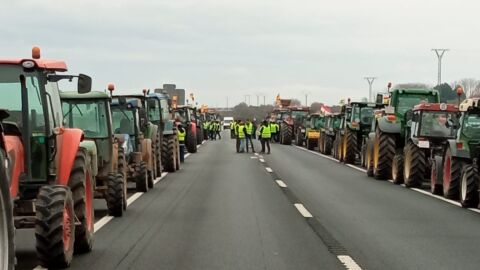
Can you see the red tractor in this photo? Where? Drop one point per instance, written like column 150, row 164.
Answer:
column 50, row 184
column 187, row 116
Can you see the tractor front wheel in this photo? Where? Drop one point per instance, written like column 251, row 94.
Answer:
column 7, row 243
column 397, row 169
column 469, row 186
column 383, row 153
column 350, row 146
column 286, row 134
column 55, row 226
column 168, row 153
column 142, row 177
column 191, row 141
column 115, row 195
column 436, row 176
column 452, row 172
column 414, row 166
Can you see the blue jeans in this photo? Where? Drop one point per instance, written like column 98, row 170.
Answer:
column 182, row 152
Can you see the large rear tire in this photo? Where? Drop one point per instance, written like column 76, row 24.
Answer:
column 199, row 135
column 414, row 165
column 55, row 226
column 298, row 138
column 122, row 170
column 191, row 141
column 142, row 177
column 436, row 176
column 469, row 186
column 115, row 195
column 383, row 153
column 168, row 153
column 350, row 146
column 7, row 241
column 452, row 172
column 397, row 169
column 286, row 134
column 327, row 150
column 369, row 159
column 81, row 185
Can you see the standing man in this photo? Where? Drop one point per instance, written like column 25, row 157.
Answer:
column 241, row 132
column 205, row 129
column 273, row 130
column 181, row 133
column 265, row 136
column 249, row 131
column 210, row 130
column 237, row 140
column 218, row 130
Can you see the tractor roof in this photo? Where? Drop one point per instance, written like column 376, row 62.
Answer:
column 189, row 106
column 441, row 107
column 50, row 64
column 415, row 91
column 89, row 95
column 470, row 103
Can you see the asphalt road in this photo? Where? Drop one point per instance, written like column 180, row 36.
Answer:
column 223, row 210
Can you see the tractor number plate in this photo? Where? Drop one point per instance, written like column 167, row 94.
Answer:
column 313, row 135
column 424, row 144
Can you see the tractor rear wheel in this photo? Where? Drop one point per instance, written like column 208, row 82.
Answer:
column 191, row 141
column 436, row 176
column 199, row 135
column 469, row 186
column 122, row 167
column 350, row 146
column 115, row 195
column 7, row 242
column 286, row 134
column 321, row 143
column 383, row 153
column 369, row 158
column 310, row 144
column 55, row 226
column 298, row 138
column 142, row 177
column 81, row 185
column 397, row 169
column 168, row 153
column 414, row 166
column 339, row 149
column 177, row 154
column 452, row 172
column 327, row 149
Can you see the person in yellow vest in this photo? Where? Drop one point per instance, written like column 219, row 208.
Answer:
column 232, row 130
column 217, row 130
column 237, row 140
column 273, row 130
column 249, row 133
column 205, row 129
column 210, row 131
column 181, row 134
column 265, row 136
column 241, row 134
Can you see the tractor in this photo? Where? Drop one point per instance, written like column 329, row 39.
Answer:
column 355, row 126
column 91, row 113
column 461, row 158
column 429, row 126
column 187, row 116
column 310, row 130
column 159, row 113
column 130, row 125
column 328, row 132
column 388, row 136
column 48, row 171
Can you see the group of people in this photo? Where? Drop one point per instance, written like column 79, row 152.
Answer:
column 245, row 131
column 211, row 129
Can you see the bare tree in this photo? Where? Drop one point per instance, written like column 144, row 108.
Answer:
column 470, row 86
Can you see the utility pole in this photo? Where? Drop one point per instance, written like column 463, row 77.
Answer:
column 306, row 100
column 258, row 96
column 227, row 103
column 370, row 81
column 439, row 53
column 263, row 100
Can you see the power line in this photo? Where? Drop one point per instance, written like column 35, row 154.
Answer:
column 439, row 53
column 370, row 81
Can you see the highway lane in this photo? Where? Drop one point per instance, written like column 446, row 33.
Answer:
column 221, row 211
column 381, row 225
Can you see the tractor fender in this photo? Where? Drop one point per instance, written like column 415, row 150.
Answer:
column 461, row 153
column 147, row 153
column 15, row 155
column 91, row 149
column 193, row 127
column 388, row 127
column 68, row 142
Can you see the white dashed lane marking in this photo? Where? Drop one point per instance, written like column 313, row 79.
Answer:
column 269, row 169
column 303, row 210
column 349, row 263
column 281, row 183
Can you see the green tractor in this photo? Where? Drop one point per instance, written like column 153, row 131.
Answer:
column 388, row 136
column 355, row 126
column 461, row 158
column 91, row 113
column 328, row 132
column 429, row 126
column 159, row 113
column 130, row 124
column 310, row 130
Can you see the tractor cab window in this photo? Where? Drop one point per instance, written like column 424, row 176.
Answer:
column 337, row 122
column 471, row 126
column 299, row 114
column 407, row 102
column 180, row 116
column 123, row 120
column 365, row 115
column 153, row 110
column 318, row 123
column 54, row 105
column 438, row 124
column 165, row 111
column 89, row 116
column 191, row 115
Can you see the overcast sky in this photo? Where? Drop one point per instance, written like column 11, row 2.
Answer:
column 220, row 48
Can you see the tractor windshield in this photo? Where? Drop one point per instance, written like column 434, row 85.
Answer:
column 337, row 120
column 362, row 115
column 11, row 93
column 181, row 116
column 471, row 126
column 317, row 122
column 438, row 124
column 88, row 115
column 299, row 114
column 408, row 101
column 123, row 120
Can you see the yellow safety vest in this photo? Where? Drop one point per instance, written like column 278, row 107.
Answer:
column 181, row 135
column 249, row 128
column 241, row 133
column 266, row 132
column 273, row 127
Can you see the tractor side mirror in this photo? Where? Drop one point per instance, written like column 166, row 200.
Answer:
column 84, row 84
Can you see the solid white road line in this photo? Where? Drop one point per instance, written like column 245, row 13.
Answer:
column 281, row 183
column 349, row 263
column 134, row 197
column 262, row 160
column 187, row 155
column 316, row 153
column 102, row 222
column 357, row 168
column 160, row 178
column 436, row 196
column 303, row 210
column 269, row 169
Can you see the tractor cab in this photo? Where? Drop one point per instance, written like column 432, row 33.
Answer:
column 128, row 118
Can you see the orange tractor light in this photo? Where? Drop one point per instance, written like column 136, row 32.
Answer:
column 391, row 117
column 36, row 52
